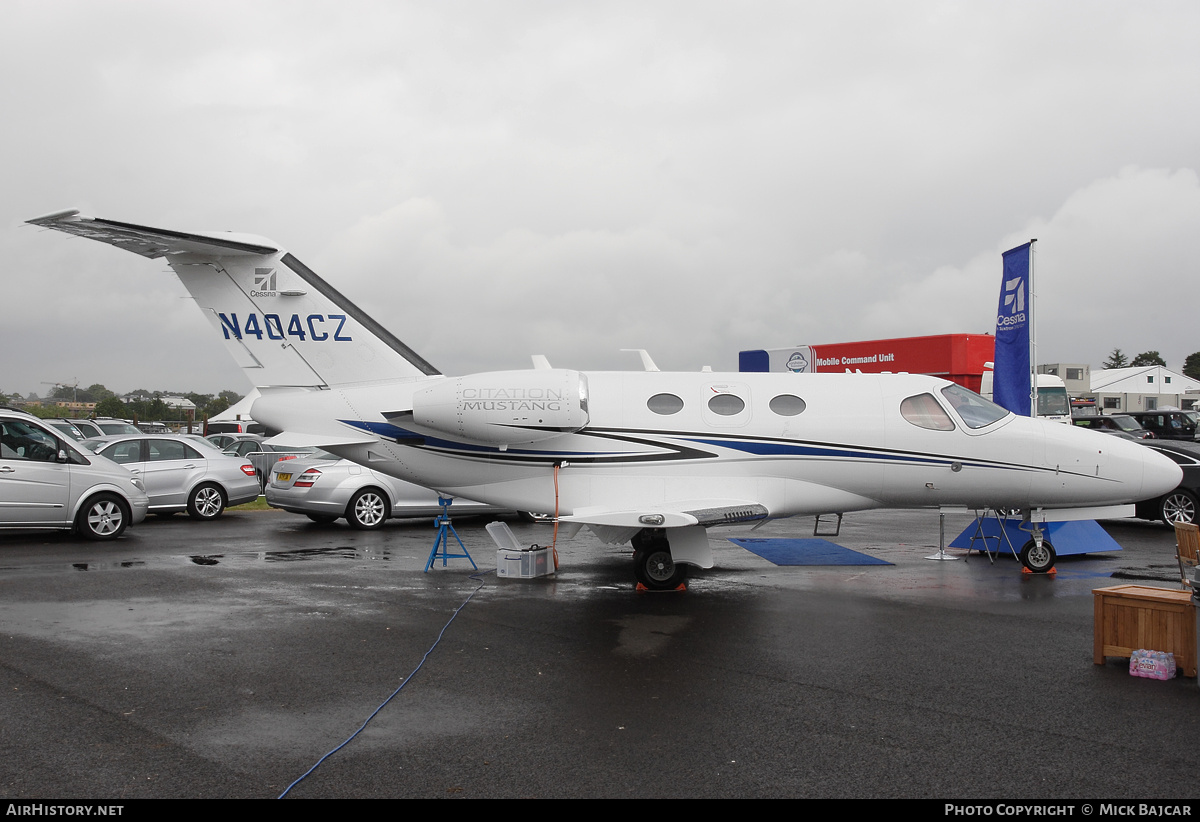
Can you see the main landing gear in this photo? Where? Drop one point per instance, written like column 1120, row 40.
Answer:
column 652, row 562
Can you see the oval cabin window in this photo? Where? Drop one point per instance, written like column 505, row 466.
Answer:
column 787, row 405
column 726, row 405
column 665, row 404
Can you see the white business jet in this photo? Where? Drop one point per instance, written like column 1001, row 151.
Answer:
column 650, row 457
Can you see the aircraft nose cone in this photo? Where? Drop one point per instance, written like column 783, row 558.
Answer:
column 1160, row 474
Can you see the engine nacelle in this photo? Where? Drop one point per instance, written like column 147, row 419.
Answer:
column 505, row 407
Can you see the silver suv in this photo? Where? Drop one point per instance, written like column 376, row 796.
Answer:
column 46, row 482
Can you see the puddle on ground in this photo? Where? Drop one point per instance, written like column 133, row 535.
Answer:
column 104, row 566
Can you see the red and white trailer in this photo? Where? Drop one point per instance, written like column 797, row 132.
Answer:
column 960, row 358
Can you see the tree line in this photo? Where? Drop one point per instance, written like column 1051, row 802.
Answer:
column 142, row 405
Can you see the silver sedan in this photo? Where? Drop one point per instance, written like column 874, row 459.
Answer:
column 326, row 490
column 180, row 475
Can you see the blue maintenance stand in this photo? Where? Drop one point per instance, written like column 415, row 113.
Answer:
column 1076, row 537
column 445, row 529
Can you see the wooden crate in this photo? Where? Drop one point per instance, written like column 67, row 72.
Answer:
column 1129, row 617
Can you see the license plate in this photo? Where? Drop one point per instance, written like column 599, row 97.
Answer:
column 284, row 477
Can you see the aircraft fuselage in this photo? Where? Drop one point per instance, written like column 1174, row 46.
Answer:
column 849, row 448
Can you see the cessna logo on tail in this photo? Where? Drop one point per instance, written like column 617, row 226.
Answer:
column 264, row 283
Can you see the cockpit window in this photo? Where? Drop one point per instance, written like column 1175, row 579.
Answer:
column 923, row 411
column 975, row 411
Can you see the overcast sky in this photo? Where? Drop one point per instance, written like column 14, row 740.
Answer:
column 495, row 179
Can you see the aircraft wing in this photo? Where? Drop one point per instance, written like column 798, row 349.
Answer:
column 676, row 515
column 688, row 521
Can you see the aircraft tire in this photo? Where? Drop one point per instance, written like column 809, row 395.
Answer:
column 1178, row 506
column 655, row 568
column 1038, row 561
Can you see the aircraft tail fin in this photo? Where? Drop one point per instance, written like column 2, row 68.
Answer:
column 284, row 325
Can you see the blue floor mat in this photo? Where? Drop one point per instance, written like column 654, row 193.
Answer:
column 805, row 552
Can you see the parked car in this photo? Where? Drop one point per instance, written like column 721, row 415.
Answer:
column 179, row 475
column 105, row 426
column 46, row 481
column 67, row 427
column 199, row 440
column 325, row 490
column 1170, row 425
column 263, row 455
column 224, row 441
column 1180, row 505
column 1114, row 423
column 234, row 427
column 88, row 428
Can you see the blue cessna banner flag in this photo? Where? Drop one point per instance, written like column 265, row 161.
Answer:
column 1011, row 381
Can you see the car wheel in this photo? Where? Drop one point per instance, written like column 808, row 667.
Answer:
column 368, row 509
column 103, row 517
column 206, row 502
column 1178, row 506
column 1038, row 560
column 322, row 519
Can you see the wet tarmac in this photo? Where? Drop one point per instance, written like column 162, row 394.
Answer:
column 223, row 659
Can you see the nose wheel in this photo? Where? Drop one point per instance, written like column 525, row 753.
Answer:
column 1038, row 558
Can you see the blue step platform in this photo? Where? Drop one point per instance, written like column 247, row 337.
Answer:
column 1085, row 537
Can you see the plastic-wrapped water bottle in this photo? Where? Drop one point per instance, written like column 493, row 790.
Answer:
column 1152, row 664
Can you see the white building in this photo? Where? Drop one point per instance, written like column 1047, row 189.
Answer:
column 1143, row 388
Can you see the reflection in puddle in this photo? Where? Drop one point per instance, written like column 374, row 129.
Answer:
column 100, row 566
column 340, row 552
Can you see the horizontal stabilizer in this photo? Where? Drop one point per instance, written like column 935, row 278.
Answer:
column 153, row 242
column 289, row 439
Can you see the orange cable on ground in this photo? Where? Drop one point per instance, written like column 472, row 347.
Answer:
column 554, row 541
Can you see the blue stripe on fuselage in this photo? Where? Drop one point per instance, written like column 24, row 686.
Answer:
column 671, row 445
column 781, row 449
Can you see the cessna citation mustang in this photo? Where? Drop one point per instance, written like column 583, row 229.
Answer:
column 654, row 458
